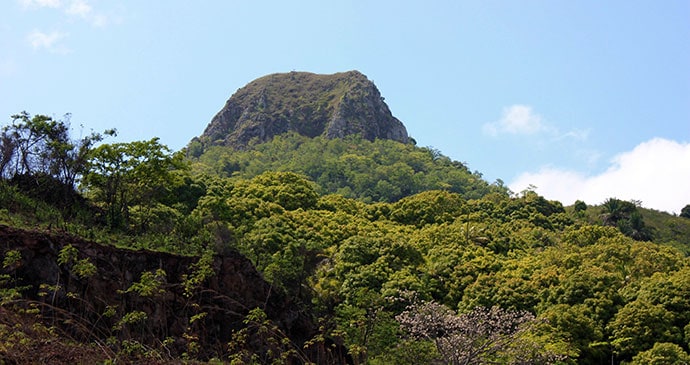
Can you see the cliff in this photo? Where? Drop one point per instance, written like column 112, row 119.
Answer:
column 117, row 299
column 313, row 105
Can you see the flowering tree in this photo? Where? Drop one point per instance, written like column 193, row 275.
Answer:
column 482, row 336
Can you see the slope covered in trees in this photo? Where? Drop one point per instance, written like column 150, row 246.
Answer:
column 447, row 268
column 370, row 171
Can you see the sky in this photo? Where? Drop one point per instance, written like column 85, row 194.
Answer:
column 576, row 100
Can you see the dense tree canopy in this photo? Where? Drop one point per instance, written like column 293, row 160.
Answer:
column 126, row 177
column 382, row 170
column 374, row 238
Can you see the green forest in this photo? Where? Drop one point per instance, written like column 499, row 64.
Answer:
column 393, row 253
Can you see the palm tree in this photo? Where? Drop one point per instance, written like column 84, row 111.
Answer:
column 611, row 212
column 616, row 210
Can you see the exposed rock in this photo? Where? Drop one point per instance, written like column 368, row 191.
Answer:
column 333, row 106
column 81, row 304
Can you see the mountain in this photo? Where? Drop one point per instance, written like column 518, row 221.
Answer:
column 297, row 247
column 309, row 104
column 336, row 130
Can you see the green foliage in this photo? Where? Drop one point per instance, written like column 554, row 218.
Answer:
column 131, row 318
column 408, row 352
column 44, row 163
column 668, row 229
column 580, row 206
column 382, row 170
column 338, row 203
column 150, row 284
column 201, row 271
column 40, row 145
column 259, row 329
column 685, row 212
column 289, row 190
column 435, row 206
column 575, row 323
column 626, row 217
column 68, row 256
column 26, row 340
column 9, row 288
column 348, row 228
column 368, row 263
column 122, row 175
column 11, row 259
column 662, row 354
column 640, row 324
column 22, row 210
column 84, row 268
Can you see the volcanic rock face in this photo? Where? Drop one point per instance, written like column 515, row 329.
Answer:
column 225, row 297
column 313, row 105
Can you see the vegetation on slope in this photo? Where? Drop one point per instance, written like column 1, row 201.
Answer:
column 520, row 277
column 638, row 222
column 370, row 171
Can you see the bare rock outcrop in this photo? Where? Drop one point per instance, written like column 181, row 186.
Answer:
column 101, row 304
column 313, row 105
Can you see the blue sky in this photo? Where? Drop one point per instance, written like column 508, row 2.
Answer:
column 583, row 99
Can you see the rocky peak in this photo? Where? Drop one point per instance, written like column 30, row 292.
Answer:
column 313, row 105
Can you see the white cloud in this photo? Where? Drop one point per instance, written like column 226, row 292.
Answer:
column 84, row 10
column 40, row 3
column 75, row 8
column 656, row 172
column 49, row 41
column 516, row 119
column 80, row 8
column 520, row 119
column 576, row 134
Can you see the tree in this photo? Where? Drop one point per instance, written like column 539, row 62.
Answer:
column 435, row 206
column 580, row 206
column 615, row 210
column 287, row 189
column 382, row 170
column 671, row 290
column 624, row 215
column 27, row 142
column 634, row 227
column 482, row 336
column 685, row 212
column 8, row 146
column 41, row 145
column 575, row 323
column 639, row 325
column 121, row 175
column 663, row 353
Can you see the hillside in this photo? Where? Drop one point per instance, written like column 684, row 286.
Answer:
column 308, row 104
column 95, row 292
column 663, row 227
column 312, row 249
column 357, row 268
column 371, row 171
